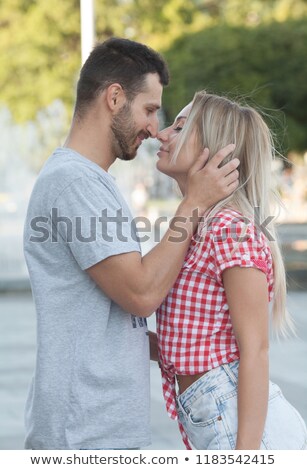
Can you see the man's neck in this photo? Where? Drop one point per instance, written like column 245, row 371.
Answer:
column 91, row 143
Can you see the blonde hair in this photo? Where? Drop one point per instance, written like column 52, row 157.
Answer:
column 216, row 122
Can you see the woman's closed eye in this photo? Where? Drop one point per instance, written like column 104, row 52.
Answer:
column 179, row 123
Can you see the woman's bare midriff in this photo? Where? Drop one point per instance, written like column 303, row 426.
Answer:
column 185, row 381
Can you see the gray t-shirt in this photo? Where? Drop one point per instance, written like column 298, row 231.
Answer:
column 91, row 384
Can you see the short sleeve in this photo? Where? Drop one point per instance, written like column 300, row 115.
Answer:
column 92, row 218
column 239, row 243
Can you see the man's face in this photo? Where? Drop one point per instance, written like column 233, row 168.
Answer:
column 137, row 120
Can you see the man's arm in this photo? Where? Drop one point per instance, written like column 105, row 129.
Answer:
column 138, row 284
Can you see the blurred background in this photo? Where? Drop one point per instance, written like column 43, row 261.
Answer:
column 251, row 48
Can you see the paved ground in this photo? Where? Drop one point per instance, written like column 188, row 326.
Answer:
column 17, row 352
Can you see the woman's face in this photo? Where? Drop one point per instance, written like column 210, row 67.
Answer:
column 168, row 138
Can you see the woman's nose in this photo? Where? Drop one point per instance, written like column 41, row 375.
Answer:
column 163, row 134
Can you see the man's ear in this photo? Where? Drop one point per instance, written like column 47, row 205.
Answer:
column 115, row 97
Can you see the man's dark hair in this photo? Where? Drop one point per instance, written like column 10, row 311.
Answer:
column 120, row 61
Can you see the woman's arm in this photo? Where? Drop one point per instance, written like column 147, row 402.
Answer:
column 153, row 344
column 247, row 296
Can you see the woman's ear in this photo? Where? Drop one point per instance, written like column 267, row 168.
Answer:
column 115, row 97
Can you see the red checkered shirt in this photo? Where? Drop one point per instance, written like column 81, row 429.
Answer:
column 194, row 328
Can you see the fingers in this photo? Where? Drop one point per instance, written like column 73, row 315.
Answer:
column 220, row 182
column 218, row 158
column 229, row 167
column 232, row 177
column 232, row 187
column 200, row 161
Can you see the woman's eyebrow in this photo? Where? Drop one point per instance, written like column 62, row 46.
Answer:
column 180, row 117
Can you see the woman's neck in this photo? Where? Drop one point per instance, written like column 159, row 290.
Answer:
column 182, row 183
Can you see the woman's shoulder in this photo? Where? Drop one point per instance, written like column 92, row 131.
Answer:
column 230, row 223
column 226, row 217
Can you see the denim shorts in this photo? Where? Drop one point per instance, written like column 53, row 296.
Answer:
column 208, row 412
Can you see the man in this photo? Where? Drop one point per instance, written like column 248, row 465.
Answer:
column 92, row 289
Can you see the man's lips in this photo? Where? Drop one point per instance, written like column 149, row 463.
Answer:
column 142, row 136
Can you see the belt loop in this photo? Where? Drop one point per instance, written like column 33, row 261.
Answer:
column 230, row 374
column 179, row 405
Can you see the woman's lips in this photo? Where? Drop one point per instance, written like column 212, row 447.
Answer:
column 162, row 150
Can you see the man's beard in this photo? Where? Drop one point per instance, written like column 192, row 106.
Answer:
column 125, row 134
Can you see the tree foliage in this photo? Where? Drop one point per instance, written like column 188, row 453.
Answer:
column 267, row 65
column 40, row 44
column 219, row 44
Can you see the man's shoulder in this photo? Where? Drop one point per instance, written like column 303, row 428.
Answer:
column 65, row 164
column 66, row 169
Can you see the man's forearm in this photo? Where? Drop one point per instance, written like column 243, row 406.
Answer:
column 161, row 266
column 139, row 285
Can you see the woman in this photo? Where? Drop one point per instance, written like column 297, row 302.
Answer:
column 213, row 327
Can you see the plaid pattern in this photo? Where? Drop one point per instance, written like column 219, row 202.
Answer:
column 193, row 323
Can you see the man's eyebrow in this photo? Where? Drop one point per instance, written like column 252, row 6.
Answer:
column 153, row 105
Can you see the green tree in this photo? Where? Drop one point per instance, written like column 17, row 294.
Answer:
column 40, row 39
column 266, row 64
column 156, row 23
column 40, row 44
column 252, row 12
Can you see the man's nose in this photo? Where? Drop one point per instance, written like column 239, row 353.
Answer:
column 153, row 127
